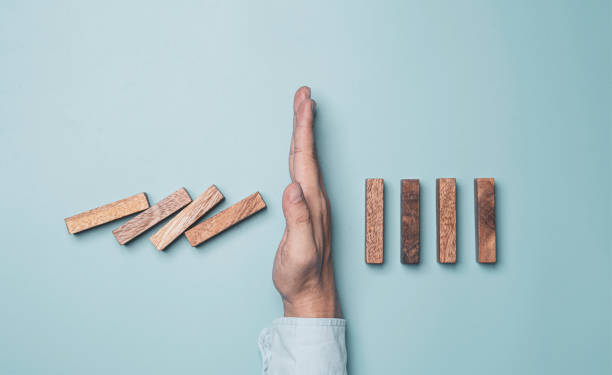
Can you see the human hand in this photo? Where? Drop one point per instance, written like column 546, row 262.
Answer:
column 303, row 271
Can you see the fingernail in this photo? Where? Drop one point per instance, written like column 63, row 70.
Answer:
column 313, row 105
column 295, row 195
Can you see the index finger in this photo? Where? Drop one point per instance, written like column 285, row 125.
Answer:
column 301, row 94
column 305, row 163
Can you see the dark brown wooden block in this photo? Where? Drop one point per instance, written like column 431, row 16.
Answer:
column 375, row 209
column 484, row 204
column 151, row 216
column 446, row 214
column 411, row 246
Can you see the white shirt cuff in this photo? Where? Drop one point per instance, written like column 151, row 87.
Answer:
column 304, row 346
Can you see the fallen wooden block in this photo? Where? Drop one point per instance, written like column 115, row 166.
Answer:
column 225, row 219
column 411, row 247
column 153, row 215
column 446, row 213
column 107, row 213
column 375, row 210
column 484, row 207
column 184, row 219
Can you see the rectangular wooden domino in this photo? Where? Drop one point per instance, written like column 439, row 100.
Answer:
column 184, row 219
column 484, row 208
column 151, row 216
column 107, row 213
column 446, row 214
column 225, row 219
column 375, row 211
column 411, row 246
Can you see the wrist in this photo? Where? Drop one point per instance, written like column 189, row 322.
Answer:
column 313, row 305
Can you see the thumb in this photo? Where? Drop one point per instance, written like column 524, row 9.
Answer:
column 297, row 215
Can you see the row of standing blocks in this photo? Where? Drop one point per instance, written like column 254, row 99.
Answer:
column 189, row 212
column 446, row 220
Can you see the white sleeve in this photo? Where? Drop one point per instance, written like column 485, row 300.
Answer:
column 304, row 346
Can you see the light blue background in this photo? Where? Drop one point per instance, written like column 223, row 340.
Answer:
column 102, row 100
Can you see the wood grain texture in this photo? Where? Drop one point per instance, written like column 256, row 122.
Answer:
column 225, row 219
column 484, row 207
column 107, row 213
column 184, row 219
column 375, row 211
column 446, row 213
column 151, row 216
column 411, row 228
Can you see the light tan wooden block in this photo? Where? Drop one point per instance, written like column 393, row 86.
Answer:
column 153, row 215
column 184, row 219
column 107, row 213
column 225, row 219
column 375, row 215
column 446, row 212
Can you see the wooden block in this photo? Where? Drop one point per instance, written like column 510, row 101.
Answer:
column 184, row 219
column 484, row 204
column 150, row 217
column 225, row 219
column 411, row 246
column 375, row 211
column 107, row 213
column 446, row 213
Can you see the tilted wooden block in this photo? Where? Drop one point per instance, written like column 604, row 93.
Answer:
column 411, row 246
column 184, row 219
column 107, row 213
column 484, row 204
column 225, row 219
column 153, row 215
column 375, row 211
column 446, row 213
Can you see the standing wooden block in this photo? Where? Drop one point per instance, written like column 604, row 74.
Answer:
column 375, row 210
column 446, row 212
column 225, row 219
column 184, row 219
column 484, row 204
column 147, row 219
column 107, row 213
column 411, row 246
